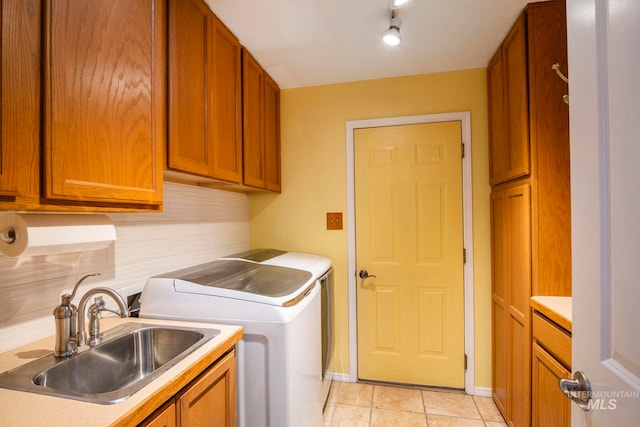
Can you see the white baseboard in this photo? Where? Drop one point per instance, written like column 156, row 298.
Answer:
column 482, row 391
column 341, row 377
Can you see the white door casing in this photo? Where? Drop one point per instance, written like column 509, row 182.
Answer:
column 465, row 119
column 604, row 60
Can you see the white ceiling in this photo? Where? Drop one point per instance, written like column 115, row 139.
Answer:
column 314, row 42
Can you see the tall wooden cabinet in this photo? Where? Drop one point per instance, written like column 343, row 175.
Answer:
column 205, row 102
column 530, row 200
column 261, row 102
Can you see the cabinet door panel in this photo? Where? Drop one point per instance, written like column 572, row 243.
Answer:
column 515, row 63
column 498, row 138
column 226, row 109
column 104, row 111
column 499, row 260
column 550, row 407
column 164, row 417
column 253, row 81
column 210, row 399
column 271, row 134
column 190, row 59
column 20, row 108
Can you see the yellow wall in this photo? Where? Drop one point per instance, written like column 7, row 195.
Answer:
column 314, row 180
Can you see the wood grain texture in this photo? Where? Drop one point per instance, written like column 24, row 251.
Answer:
column 555, row 339
column 551, row 183
column 550, row 407
column 261, row 104
column 163, row 417
column 20, row 109
column 205, row 94
column 537, row 258
column 253, row 111
column 508, row 107
column 271, row 135
column 190, row 145
column 210, row 400
column 226, row 116
column 104, row 109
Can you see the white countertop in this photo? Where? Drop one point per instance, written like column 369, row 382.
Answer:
column 30, row 409
column 557, row 309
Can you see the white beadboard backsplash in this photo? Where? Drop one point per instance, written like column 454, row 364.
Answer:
column 197, row 224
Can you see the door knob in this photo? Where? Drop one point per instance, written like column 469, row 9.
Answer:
column 577, row 389
column 364, row 274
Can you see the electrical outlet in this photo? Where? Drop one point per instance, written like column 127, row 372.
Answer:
column 334, row 220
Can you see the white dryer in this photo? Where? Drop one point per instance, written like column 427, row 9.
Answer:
column 279, row 358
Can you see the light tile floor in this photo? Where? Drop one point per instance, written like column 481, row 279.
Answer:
column 373, row 405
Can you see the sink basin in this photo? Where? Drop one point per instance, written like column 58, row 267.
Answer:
column 130, row 357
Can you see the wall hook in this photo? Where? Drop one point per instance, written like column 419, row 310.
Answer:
column 556, row 67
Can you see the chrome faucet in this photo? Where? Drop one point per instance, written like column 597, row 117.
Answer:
column 70, row 333
column 94, row 310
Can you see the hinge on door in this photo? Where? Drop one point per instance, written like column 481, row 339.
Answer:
column 462, row 145
column 464, row 255
column 465, row 362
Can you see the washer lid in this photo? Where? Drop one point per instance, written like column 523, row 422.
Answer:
column 257, row 255
column 244, row 280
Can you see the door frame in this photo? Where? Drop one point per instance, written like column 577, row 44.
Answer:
column 464, row 117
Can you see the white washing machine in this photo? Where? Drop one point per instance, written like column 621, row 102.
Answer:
column 279, row 358
column 317, row 266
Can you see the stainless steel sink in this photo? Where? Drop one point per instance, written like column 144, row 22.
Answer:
column 130, row 357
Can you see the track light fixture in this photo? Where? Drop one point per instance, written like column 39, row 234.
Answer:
column 391, row 35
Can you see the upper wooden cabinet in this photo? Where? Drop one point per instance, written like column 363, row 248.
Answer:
column 525, row 95
column 20, row 110
column 261, row 103
column 508, row 109
column 104, row 102
column 205, row 101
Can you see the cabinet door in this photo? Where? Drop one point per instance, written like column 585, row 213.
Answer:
column 205, row 101
column 271, row 134
column 550, row 407
column 499, row 312
column 509, row 141
column 253, row 97
column 211, row 399
column 104, row 111
column 518, row 285
column 20, row 108
column 190, row 92
column 511, row 290
column 498, row 136
column 164, row 417
column 515, row 63
column 226, row 110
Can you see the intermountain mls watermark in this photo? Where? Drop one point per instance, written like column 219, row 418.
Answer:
column 604, row 400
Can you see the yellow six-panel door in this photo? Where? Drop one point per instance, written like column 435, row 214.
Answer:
column 408, row 182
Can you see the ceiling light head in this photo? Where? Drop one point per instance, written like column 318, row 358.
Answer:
column 398, row 3
column 391, row 35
